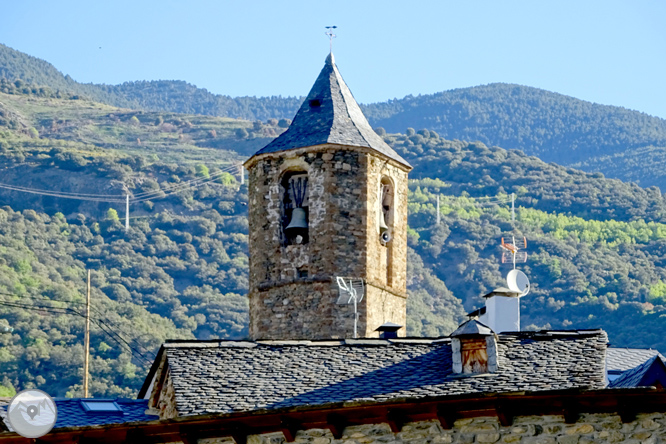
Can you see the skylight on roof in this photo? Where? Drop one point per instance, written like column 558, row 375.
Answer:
column 101, row 406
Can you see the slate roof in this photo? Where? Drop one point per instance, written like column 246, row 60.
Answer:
column 619, row 360
column 337, row 119
column 72, row 414
column 229, row 376
column 472, row 327
column 647, row 374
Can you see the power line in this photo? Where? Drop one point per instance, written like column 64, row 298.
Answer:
column 60, row 310
column 175, row 188
column 57, row 194
column 176, row 185
column 102, row 316
column 68, row 193
column 108, row 198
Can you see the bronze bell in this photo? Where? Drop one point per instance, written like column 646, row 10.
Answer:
column 382, row 223
column 298, row 220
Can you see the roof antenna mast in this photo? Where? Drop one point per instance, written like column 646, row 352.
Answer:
column 331, row 36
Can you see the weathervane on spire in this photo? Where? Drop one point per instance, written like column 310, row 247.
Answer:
column 331, row 36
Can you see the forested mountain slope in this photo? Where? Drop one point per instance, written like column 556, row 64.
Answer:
column 596, row 245
column 610, row 139
column 160, row 95
column 181, row 269
column 552, row 126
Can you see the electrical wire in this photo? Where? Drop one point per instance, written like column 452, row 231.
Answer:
column 218, row 173
column 175, row 188
column 64, row 310
column 102, row 316
column 58, row 194
column 108, row 198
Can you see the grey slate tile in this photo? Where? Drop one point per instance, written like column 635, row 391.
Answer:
column 648, row 373
column 623, row 359
column 246, row 378
column 337, row 119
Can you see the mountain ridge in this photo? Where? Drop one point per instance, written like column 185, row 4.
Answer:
column 555, row 127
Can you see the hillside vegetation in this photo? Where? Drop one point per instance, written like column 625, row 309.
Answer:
column 181, row 268
column 162, row 95
column 615, row 141
column 595, row 245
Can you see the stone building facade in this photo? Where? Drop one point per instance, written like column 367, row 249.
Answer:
column 350, row 190
column 548, row 429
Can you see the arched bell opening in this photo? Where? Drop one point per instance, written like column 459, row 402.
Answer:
column 295, row 208
column 385, row 224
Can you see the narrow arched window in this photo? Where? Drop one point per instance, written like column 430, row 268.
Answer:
column 386, row 212
column 386, row 204
column 295, row 208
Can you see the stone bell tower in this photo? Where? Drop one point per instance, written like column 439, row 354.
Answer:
column 327, row 199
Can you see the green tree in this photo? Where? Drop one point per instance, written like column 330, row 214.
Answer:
column 112, row 215
column 202, row 170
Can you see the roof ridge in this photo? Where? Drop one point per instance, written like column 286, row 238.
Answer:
column 344, row 88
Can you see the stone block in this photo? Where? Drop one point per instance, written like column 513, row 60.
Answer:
column 580, row 429
column 465, row 438
column 641, row 436
column 552, row 429
column 462, row 422
column 444, row 438
column 539, row 440
column 649, row 424
column 487, row 437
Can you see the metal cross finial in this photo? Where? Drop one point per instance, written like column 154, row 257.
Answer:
column 331, row 36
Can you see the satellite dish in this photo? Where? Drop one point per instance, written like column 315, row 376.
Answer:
column 518, row 282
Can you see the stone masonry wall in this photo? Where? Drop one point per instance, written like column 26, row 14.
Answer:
column 344, row 240
column 590, row 428
column 396, row 250
column 383, row 305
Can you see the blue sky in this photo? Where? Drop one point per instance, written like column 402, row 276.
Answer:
column 609, row 52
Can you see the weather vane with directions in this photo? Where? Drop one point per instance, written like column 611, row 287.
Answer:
column 331, row 36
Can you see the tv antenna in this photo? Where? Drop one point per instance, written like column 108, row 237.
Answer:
column 350, row 292
column 512, row 253
column 330, row 33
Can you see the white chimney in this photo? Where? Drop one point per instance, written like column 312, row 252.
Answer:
column 502, row 311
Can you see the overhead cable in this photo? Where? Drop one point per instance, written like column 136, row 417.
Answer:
column 64, row 310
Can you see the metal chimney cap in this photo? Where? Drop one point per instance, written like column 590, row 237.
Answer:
column 503, row 291
column 389, row 327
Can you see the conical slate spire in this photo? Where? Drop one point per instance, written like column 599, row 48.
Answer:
column 330, row 114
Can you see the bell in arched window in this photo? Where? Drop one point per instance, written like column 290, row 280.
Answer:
column 298, row 221
column 382, row 223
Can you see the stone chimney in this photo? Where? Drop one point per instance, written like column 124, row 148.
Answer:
column 474, row 349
